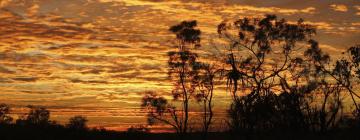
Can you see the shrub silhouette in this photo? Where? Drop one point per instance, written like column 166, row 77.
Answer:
column 138, row 129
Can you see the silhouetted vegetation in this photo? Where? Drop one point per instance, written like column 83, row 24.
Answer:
column 36, row 124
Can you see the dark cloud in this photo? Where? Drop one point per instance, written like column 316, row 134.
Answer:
column 88, row 81
column 92, row 71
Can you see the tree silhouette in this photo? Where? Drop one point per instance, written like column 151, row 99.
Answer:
column 77, row 122
column 205, row 82
column 182, row 64
column 274, row 86
column 254, row 44
column 37, row 116
column 329, row 102
column 183, row 70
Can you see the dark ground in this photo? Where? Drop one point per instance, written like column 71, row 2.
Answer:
column 15, row 132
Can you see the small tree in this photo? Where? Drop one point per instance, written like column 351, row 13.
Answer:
column 77, row 122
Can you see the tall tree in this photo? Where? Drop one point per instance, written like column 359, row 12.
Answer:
column 182, row 70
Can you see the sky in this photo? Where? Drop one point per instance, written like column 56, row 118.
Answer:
column 98, row 57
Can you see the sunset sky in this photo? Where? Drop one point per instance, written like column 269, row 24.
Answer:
column 97, row 57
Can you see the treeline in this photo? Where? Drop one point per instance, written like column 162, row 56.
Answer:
column 36, row 125
column 38, row 117
column 280, row 80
